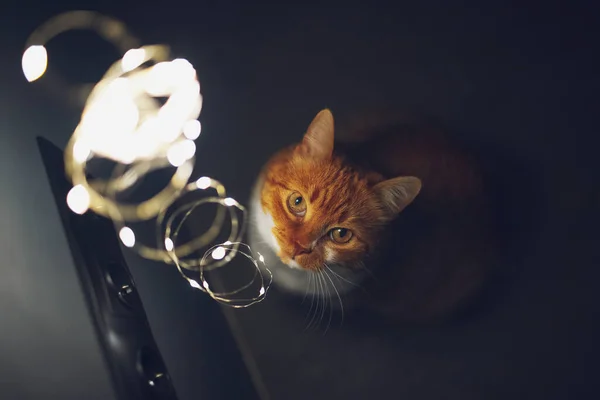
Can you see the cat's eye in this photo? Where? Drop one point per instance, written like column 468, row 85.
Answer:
column 340, row 235
column 296, row 204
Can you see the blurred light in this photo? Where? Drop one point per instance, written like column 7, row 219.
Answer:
column 192, row 129
column 81, row 151
column 203, row 183
column 127, row 236
column 34, row 62
column 195, row 284
column 78, row 199
column 180, row 152
column 218, row 253
column 133, row 59
column 124, row 121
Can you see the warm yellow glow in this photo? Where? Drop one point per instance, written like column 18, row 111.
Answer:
column 203, row 182
column 180, row 152
column 34, row 62
column 81, row 151
column 127, row 236
column 133, row 59
column 124, row 121
column 192, row 129
column 195, row 284
column 218, row 253
column 78, row 199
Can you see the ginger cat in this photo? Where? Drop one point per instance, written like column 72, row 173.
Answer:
column 396, row 224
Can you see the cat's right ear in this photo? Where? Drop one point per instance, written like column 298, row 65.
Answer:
column 318, row 139
column 397, row 193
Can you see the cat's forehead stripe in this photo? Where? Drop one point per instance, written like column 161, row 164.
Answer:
column 275, row 182
column 314, row 195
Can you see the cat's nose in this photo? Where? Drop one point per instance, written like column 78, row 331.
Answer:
column 300, row 249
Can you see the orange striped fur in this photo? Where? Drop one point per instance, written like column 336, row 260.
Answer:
column 337, row 195
column 425, row 260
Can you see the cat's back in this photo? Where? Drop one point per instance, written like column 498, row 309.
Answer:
column 441, row 242
column 448, row 172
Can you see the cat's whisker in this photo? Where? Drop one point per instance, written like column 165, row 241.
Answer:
column 324, row 272
column 307, row 287
column 311, row 283
column 339, row 277
column 322, row 284
column 318, row 302
column 338, row 296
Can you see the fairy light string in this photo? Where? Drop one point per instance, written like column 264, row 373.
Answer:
column 124, row 120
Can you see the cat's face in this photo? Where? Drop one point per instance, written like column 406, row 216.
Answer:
column 318, row 210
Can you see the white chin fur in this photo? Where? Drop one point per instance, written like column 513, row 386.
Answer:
column 292, row 277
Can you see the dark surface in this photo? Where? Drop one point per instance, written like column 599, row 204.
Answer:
column 520, row 80
column 116, row 313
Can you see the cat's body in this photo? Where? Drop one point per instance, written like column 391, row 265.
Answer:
column 414, row 253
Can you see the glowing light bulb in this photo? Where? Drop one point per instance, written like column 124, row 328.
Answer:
column 157, row 82
column 194, row 284
column 133, row 59
column 218, row 253
column 127, row 236
column 180, row 152
column 169, row 244
column 34, row 62
column 229, row 202
column 203, row 183
column 81, row 151
column 78, row 199
column 192, row 129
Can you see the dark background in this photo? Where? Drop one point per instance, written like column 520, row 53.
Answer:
column 521, row 78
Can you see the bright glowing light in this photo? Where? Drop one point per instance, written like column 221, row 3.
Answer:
column 124, row 121
column 34, row 62
column 192, row 129
column 78, row 199
column 218, row 253
column 127, row 236
column 261, row 258
column 157, row 80
column 203, row 183
column 133, row 59
column 195, row 284
column 112, row 136
column 81, row 151
column 180, row 152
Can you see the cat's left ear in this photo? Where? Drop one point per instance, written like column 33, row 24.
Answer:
column 397, row 193
column 318, row 139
